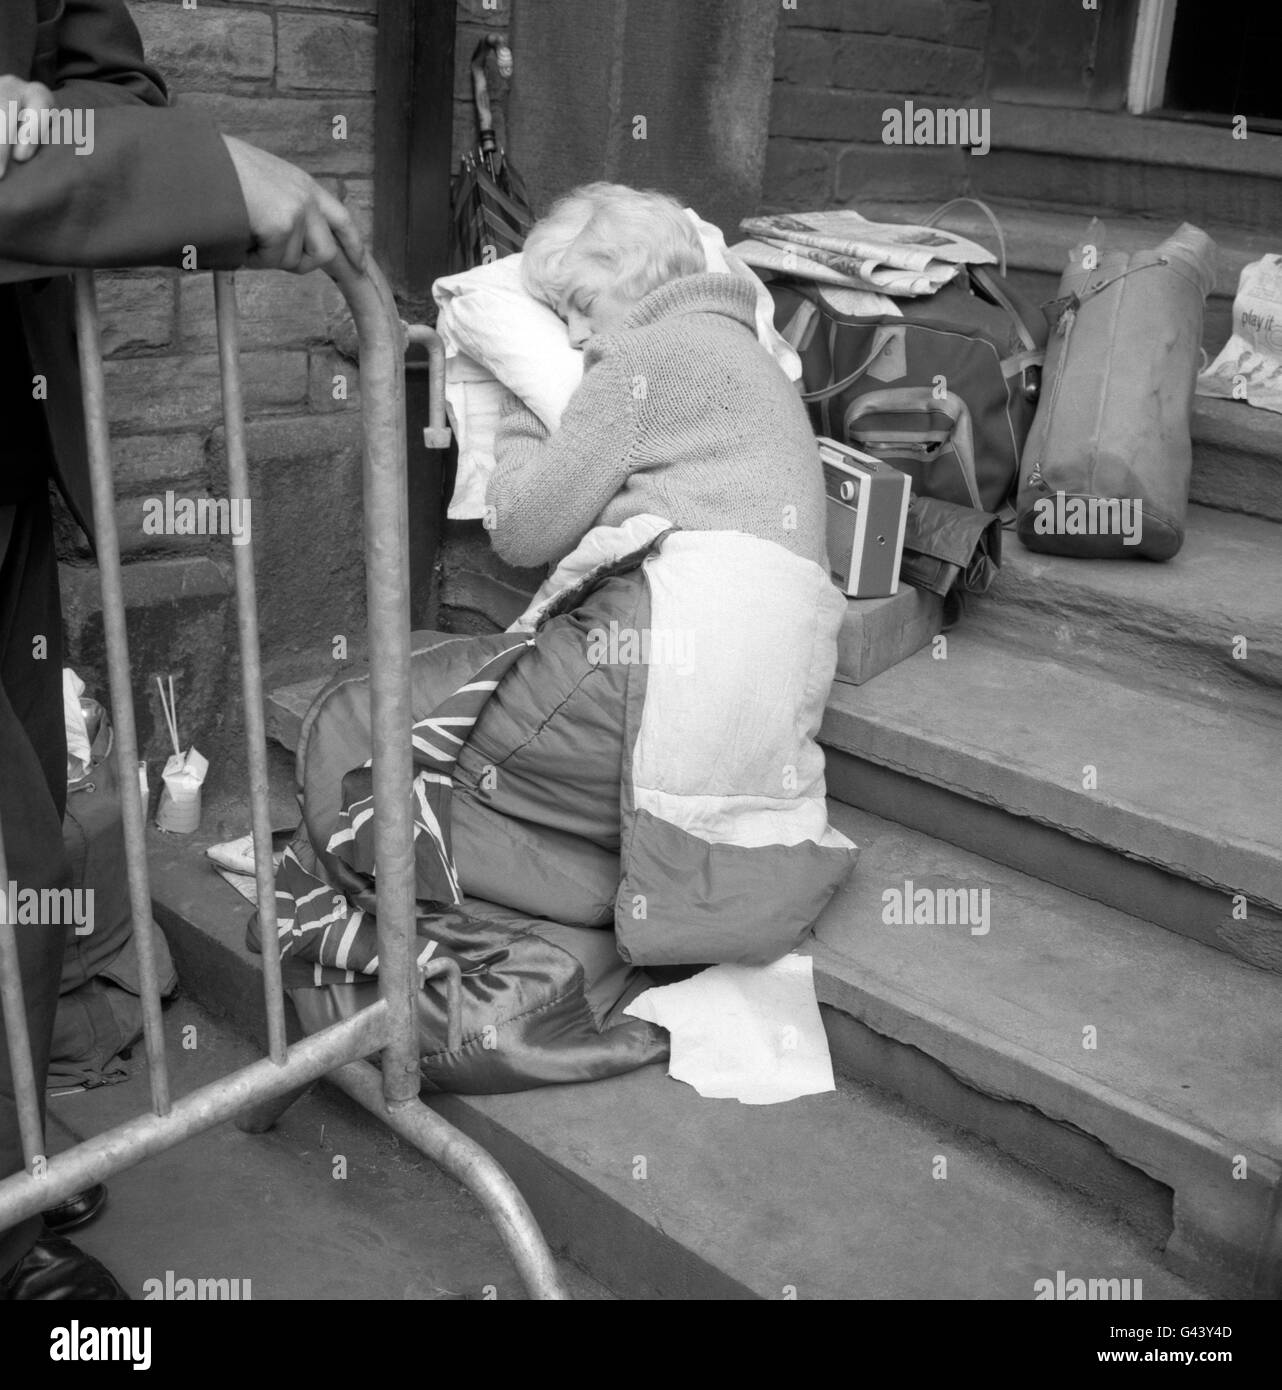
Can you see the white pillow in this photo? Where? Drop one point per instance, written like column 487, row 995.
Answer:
column 487, row 314
column 497, row 335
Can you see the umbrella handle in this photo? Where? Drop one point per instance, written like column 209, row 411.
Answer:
column 481, row 87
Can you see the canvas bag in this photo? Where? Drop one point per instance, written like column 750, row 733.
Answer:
column 1113, row 425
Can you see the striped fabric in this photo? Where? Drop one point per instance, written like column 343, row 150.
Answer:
column 491, row 212
column 337, row 932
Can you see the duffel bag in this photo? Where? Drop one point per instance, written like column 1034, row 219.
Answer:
column 946, row 391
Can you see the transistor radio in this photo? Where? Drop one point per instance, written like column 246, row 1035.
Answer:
column 867, row 513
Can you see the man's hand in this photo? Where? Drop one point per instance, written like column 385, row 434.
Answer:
column 295, row 223
column 29, row 96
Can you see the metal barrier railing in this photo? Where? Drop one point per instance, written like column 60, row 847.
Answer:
column 260, row 1093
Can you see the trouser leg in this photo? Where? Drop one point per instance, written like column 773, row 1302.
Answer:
column 536, row 809
column 548, row 747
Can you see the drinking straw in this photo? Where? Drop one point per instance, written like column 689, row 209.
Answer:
column 171, row 721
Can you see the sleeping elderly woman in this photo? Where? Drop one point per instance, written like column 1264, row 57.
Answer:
column 638, row 753
column 670, row 712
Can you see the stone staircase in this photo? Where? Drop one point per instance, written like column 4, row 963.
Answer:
column 656, row 1193
column 1110, row 162
column 1114, row 1033
column 1104, row 731
column 1093, row 748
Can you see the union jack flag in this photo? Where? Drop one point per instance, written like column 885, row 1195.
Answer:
column 336, row 931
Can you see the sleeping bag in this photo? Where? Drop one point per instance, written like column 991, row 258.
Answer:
column 638, row 784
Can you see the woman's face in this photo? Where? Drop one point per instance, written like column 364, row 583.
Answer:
column 593, row 305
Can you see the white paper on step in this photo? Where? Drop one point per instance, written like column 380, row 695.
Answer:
column 745, row 1032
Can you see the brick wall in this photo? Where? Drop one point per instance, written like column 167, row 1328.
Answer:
column 276, row 74
column 838, row 65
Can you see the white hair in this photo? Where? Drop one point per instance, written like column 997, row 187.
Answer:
column 642, row 237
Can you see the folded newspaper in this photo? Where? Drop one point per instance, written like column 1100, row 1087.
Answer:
column 845, row 249
column 1249, row 367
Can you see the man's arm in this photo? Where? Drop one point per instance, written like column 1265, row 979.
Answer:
column 99, row 60
column 150, row 182
column 157, row 180
column 547, row 490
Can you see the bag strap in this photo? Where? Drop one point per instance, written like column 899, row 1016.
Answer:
column 933, row 221
column 996, row 291
column 835, row 388
column 810, row 306
column 1090, row 291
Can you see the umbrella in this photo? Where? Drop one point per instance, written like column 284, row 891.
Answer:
column 491, row 208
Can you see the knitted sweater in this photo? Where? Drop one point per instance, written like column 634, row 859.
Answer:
column 681, row 412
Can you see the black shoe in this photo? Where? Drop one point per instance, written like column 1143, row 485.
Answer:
column 77, row 1210
column 55, row 1269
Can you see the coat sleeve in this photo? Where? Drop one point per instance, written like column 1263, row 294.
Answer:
column 548, row 488
column 145, row 182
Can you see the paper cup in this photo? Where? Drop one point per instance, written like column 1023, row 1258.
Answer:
column 179, row 809
column 180, row 813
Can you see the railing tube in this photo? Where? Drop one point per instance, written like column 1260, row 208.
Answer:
column 21, row 1068
column 436, row 433
column 107, row 543
column 106, row 1154
column 382, row 345
column 480, row 1172
column 251, row 673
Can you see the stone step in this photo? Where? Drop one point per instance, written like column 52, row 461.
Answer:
column 285, row 707
column 277, row 1215
column 1059, row 1009
column 1117, row 163
column 875, row 634
column 1162, row 806
column 827, row 1197
column 1237, row 449
column 1175, row 625
column 661, row 1194
column 1038, row 241
column 1237, row 458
